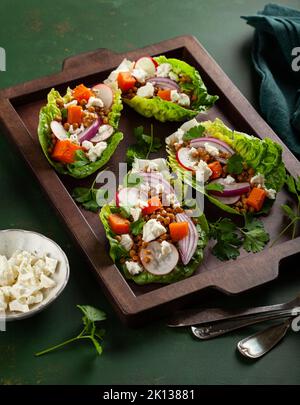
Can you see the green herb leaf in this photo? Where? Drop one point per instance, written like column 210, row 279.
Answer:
column 235, row 164
column 136, row 227
column 291, row 183
column 214, row 187
column 193, row 133
column 225, row 251
column 288, row 211
column 81, row 194
column 89, row 331
column 228, row 241
column 93, row 314
column 123, row 211
column 144, row 146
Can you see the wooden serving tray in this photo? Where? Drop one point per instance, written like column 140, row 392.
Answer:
column 19, row 109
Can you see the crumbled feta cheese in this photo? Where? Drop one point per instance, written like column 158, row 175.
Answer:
column 166, row 248
column 174, row 96
column 157, row 189
column 140, row 75
column 170, row 199
column 212, row 150
column 229, row 180
column 15, row 305
column 271, row 193
column 35, row 298
column 95, row 102
column 133, row 267
column 145, row 188
column 140, row 203
column 151, row 167
column 202, row 168
column 173, row 76
column 176, row 137
column 126, row 242
column 163, row 70
column 125, row 66
column 152, row 230
column 135, row 213
column 73, row 102
column 47, row 282
column 146, row 91
column 77, row 131
column 184, row 100
column 185, row 127
column 87, row 145
column 74, row 139
column 146, row 165
column 96, row 151
column 192, row 151
column 258, row 180
column 50, row 265
column 7, row 276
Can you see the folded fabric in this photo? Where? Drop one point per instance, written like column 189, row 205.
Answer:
column 277, row 33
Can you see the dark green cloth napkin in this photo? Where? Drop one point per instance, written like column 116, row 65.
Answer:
column 277, row 33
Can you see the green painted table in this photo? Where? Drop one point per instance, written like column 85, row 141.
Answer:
column 37, row 36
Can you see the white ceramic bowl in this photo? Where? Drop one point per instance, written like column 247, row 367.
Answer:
column 15, row 239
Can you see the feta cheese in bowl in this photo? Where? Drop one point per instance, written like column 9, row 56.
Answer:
column 34, row 271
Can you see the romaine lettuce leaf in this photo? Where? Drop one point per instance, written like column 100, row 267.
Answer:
column 81, row 168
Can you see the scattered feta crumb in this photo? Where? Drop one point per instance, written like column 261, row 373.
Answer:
column 184, row 100
column 95, row 102
column 173, row 76
column 152, row 230
column 133, row 267
column 135, row 213
column 166, row 248
column 174, row 96
column 70, row 103
column 163, row 70
column 23, row 277
column 176, row 137
column 203, row 169
column 229, row 179
column 140, row 75
column 96, row 151
column 271, row 193
column 146, row 91
column 126, row 242
column 212, row 150
column 259, row 181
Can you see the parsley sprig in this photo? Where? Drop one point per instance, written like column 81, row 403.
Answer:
column 89, row 331
column 293, row 186
column 145, row 144
column 88, row 196
column 230, row 238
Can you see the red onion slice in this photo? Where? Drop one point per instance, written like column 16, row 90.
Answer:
column 188, row 245
column 228, row 200
column 230, row 190
column 164, row 83
column 222, row 146
column 90, row 132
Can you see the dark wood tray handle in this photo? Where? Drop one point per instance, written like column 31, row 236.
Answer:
column 270, row 261
column 100, row 56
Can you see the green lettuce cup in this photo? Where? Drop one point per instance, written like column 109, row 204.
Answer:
column 237, row 172
column 78, row 132
column 167, row 89
column 151, row 236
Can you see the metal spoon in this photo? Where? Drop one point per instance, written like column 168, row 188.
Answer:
column 259, row 344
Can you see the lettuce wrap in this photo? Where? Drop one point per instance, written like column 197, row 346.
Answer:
column 184, row 77
column 263, row 157
column 120, row 255
column 82, row 166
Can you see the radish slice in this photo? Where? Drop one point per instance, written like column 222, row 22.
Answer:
column 227, row 200
column 158, row 265
column 230, row 190
column 185, row 159
column 222, row 146
column 147, row 64
column 58, row 130
column 188, row 245
column 105, row 93
column 164, row 83
column 104, row 132
column 90, row 132
column 130, row 196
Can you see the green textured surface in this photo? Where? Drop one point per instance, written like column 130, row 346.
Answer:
column 37, row 36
